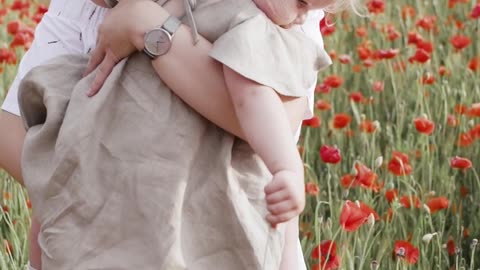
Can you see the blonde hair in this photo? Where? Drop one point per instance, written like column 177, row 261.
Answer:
column 357, row 6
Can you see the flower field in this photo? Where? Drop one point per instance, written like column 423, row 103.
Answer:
column 391, row 156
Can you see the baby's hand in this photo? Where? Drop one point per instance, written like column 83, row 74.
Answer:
column 285, row 196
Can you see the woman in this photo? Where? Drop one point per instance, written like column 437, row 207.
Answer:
column 212, row 85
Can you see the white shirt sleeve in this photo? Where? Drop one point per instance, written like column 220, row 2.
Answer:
column 66, row 28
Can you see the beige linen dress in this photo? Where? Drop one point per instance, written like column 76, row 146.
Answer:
column 134, row 178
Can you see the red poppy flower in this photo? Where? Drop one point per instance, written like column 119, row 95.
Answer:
column 423, row 125
column 19, row 5
column 399, row 164
column 13, row 27
column 460, row 109
column 330, row 154
column 414, row 38
column 361, row 31
column 363, row 52
column 21, row 39
column 326, row 26
column 421, row 56
column 333, row 81
column 465, row 139
column 311, row 188
column 368, row 63
column 313, row 122
column 323, row 88
column 7, row 56
column 427, row 78
column 353, row 216
column 474, row 110
column 387, row 54
column 357, row 97
column 325, row 248
column 460, row 163
column 425, row 45
column 365, row 177
column 475, row 131
column 391, row 194
column 392, row 33
column 341, row 120
column 437, row 204
column 406, row 251
column 326, row 251
column 368, row 126
column 452, row 120
column 475, row 12
column 407, row 201
column 41, row 9
column 451, row 248
column 376, row 6
column 348, row 181
column 442, row 71
column 427, row 23
column 345, row 59
column 460, row 41
column 408, row 12
column 378, row 86
column 474, row 63
column 323, row 105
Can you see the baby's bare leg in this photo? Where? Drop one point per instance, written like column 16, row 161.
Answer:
column 290, row 258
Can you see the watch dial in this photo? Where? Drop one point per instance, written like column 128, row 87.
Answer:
column 157, row 42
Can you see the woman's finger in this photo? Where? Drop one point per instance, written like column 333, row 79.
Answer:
column 96, row 57
column 103, row 71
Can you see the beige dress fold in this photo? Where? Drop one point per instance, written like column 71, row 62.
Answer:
column 134, row 178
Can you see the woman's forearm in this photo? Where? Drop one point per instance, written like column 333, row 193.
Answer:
column 11, row 144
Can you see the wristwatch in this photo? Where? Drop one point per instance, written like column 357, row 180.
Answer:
column 159, row 40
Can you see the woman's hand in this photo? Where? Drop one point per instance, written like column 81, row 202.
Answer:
column 121, row 34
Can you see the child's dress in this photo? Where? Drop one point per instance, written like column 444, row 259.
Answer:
column 134, row 178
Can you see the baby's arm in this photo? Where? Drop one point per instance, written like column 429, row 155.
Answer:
column 266, row 127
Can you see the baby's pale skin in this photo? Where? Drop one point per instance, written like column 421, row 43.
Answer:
column 289, row 12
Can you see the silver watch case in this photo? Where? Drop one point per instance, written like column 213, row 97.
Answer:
column 159, row 40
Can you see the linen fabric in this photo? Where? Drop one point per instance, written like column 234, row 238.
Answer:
column 135, row 179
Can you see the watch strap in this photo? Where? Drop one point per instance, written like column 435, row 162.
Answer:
column 171, row 25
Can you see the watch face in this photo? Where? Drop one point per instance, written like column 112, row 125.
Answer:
column 157, row 42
